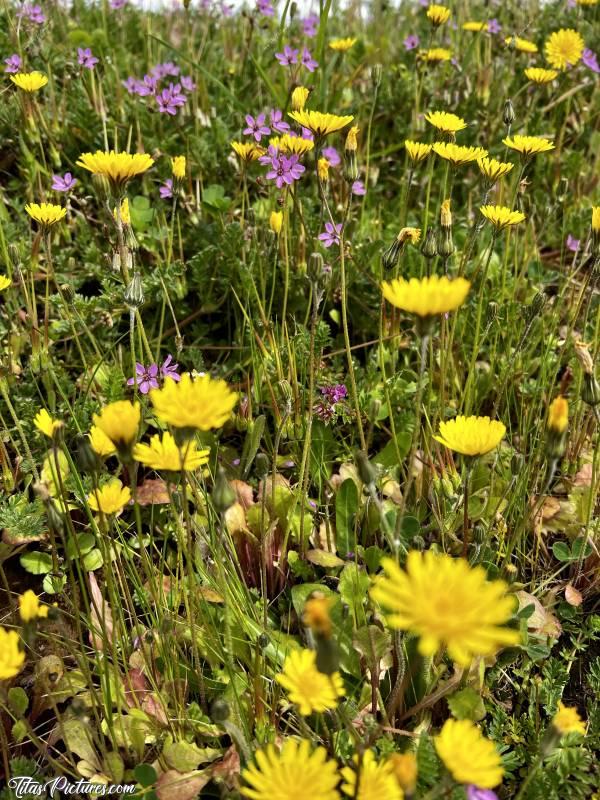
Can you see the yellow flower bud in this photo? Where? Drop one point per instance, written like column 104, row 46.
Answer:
column 276, row 221
column 299, row 98
column 323, row 168
column 351, row 143
column 178, row 167
column 558, row 414
column 446, row 215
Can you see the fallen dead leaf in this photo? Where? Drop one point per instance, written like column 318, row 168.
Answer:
column 573, row 596
column 152, row 492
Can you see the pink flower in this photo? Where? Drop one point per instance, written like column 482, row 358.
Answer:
column 331, row 234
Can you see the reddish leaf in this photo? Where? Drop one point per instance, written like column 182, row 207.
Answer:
column 173, row 785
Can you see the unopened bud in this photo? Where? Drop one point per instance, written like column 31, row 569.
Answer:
column 316, row 269
column 445, row 245
column 376, row 75
column 134, row 294
column 116, row 262
column 366, row 471
column 15, row 255
column 223, row 494
column 68, row 292
column 590, row 391
column 535, row 308
column 508, row 113
column 328, row 655
column 429, row 246
column 350, row 166
column 299, row 98
column 85, row 457
column 219, row 711
column 390, row 256
column 261, row 466
column 510, row 573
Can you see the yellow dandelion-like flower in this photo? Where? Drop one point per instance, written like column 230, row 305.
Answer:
column 467, row 755
column 110, row 498
column 100, row 443
column 29, row 81
column 320, row 124
column 247, row 151
column 118, row 168
column 45, row 214
column 11, row 657
column 417, row 151
column 316, row 614
column 540, row 75
column 376, row 779
column 564, row 48
column 119, row 421
column 428, row 296
column 178, row 165
column 567, row 720
column 446, row 603
column 299, row 98
column 475, row 27
column 471, row 436
column 295, row 771
column 522, row 45
column 30, row 607
column 341, row 45
column 323, row 169
column 351, row 143
column 125, row 213
column 306, row 687
column 5, row 282
column 445, row 121
column 203, row 403
column 438, row 14
column 456, row 154
column 502, row 217
column 411, row 235
column 46, row 424
column 163, row 454
column 435, row 54
column 292, row 144
column 528, row 145
column 406, row 769
column 596, row 218
column 493, row 169
column 558, row 414
column 276, row 221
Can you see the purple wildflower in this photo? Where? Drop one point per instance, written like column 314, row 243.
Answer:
column 325, row 408
column 226, row 9
column 117, row 4
column 265, row 8
column 147, row 86
column 169, row 100
column 145, row 378
column 169, row 370
column 473, row 793
column 277, row 122
column 310, row 25
column 331, row 234
column 284, row 170
column 168, row 69
column 187, row 83
column 287, row 57
column 256, row 127
column 166, row 190
column 358, row 188
column 13, row 63
column 63, row 183
column 590, row 59
column 494, row 26
column 332, row 155
column 307, row 134
column 573, row 244
column 411, row 42
column 308, row 61
column 32, row 13
column 85, row 58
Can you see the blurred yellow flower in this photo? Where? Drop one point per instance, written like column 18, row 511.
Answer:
column 30, row 607
column 376, row 779
column 558, row 414
column 468, row 755
column 5, row 282
column 299, row 98
column 528, row 145
column 435, row 54
column 405, row 768
column 119, row 421
column 178, row 167
column 118, row 168
column 456, row 154
column 539, row 75
column 276, row 221
column 29, row 81
column 292, row 144
column 202, row 403
column 445, row 121
column 11, row 657
column 306, row 687
column 164, row 454
column 502, row 217
column 110, row 498
column 564, row 48
column 417, row 151
column 586, row 2
column 426, row 296
column 247, row 151
column 320, row 124
column 493, row 169
column 45, row 214
column 567, row 720
column 447, row 604
column 323, row 169
column 475, row 27
column 316, row 615
column 438, row 14
column 471, row 436
column 100, row 443
column 342, row 44
column 596, row 218
column 46, row 424
column 523, row 45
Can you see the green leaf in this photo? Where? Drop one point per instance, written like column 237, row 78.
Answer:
column 372, row 643
column 93, row 560
column 19, row 730
column 145, row 775
column 214, row 197
column 322, row 558
column 17, row 700
column 53, row 584
column 372, row 558
column 353, row 588
column 467, row 704
column 346, row 506
column 80, row 545
column 581, row 548
column 36, row 563
column 561, row 551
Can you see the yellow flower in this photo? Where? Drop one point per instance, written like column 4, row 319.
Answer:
column 446, row 603
column 596, row 218
column 320, row 124
column 299, row 98
column 502, row 217
column 417, row 151
column 164, row 454
column 276, row 221
column 456, row 154
column 45, row 214
column 376, row 779
column 125, row 215
column 178, row 167
column 309, row 689
column 426, row 296
column 446, row 215
column 29, row 81
column 100, row 443
column 5, row 282
column 586, row 2
column 475, row 27
column 528, row 145
column 110, row 498
column 316, row 614
column 119, row 421
column 438, row 14
column 468, row 756
column 567, row 720
column 247, row 151
column 558, row 414
column 11, row 658
column 119, row 168
column 471, row 436
column 323, row 169
column 436, row 54
column 405, row 770
column 493, row 169
column 295, row 771
column 412, row 235
column 523, row 45
column 564, row 48
column 292, row 144
column 342, row 44
column 539, row 75
column 44, row 423
column 30, row 608
column 351, row 144
column 445, row 122
column 202, row 403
